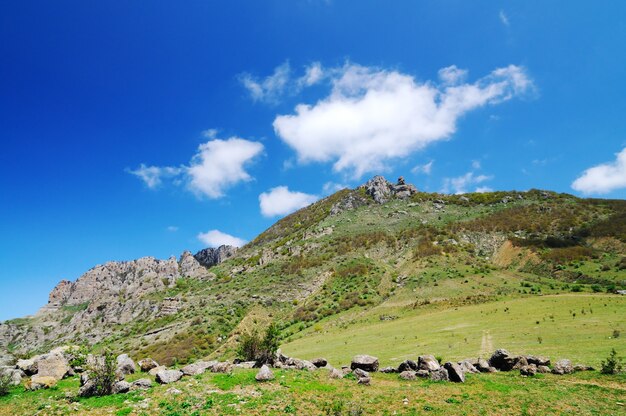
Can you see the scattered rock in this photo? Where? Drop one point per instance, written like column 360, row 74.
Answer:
column 364, row 362
column 520, row 362
column 422, row 373
column 122, row 386
column 14, row 374
column 441, row 374
column 125, row 365
column 366, row 381
column 468, row 367
column 502, row 360
column 388, row 370
column 335, row 374
column 173, row 391
column 264, row 374
column 528, row 370
column 53, row 365
column 37, row 382
column 408, row 365
column 319, row 362
column 29, row 367
column 408, row 375
column 155, row 370
column 563, row 367
column 532, row 359
column 168, row 376
column 482, row 365
column 142, row 383
column 244, row 364
column 543, row 369
column 224, row 367
column 88, row 389
column 198, row 368
column 147, row 364
column 455, row 372
column 360, row 373
column 581, row 367
column 428, row 362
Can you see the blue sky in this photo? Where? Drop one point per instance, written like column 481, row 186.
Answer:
column 133, row 129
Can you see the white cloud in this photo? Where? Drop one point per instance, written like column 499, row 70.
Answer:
column 332, row 187
column 172, row 228
column 460, row 184
column 217, row 166
column 452, row 75
column 504, row 18
column 425, row 168
column 216, row 238
column 603, row 178
column 314, row 73
column 373, row 116
column 282, row 201
column 475, row 164
column 271, row 87
column 483, row 189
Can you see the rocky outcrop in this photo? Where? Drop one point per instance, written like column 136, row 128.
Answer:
column 209, row 257
column 125, row 365
column 381, row 190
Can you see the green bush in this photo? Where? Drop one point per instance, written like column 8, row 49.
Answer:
column 612, row 365
column 5, row 383
column 253, row 348
column 102, row 373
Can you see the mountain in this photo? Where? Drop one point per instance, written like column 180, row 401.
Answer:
column 346, row 256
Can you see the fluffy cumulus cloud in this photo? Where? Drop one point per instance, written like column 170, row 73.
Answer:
column 372, row 116
column 281, row 201
column 216, row 238
column 603, row 178
column 217, row 165
column 462, row 184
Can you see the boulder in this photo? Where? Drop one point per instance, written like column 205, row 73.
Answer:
column 37, row 382
column 155, row 370
column 335, row 374
column 502, row 360
column 528, row 370
column 142, row 383
column 122, row 386
column 245, row 364
column 224, row 367
column 53, row 365
column 422, row 373
column 408, row 365
column 563, row 367
column 483, row 366
column 408, row 375
column 455, row 372
column 366, row 381
column 440, row 374
column 532, row 359
column 543, row 369
column 14, row 374
column 360, row 373
column 264, row 374
column 319, row 362
column 168, row 376
column 198, row 367
column 147, row 364
column 364, row 362
column 581, row 367
column 6, row 360
column 468, row 367
column 29, row 367
column 388, row 370
column 88, row 389
column 428, row 362
column 345, row 370
column 125, row 365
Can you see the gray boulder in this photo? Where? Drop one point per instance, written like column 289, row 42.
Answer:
column 408, row 375
column 388, row 370
column 533, row 359
column 528, row 370
column 155, row 370
column 563, row 367
column 122, row 386
column 88, row 389
column 543, row 369
column 319, row 362
column 502, row 360
column 455, row 372
column 53, row 365
column 198, row 367
column 168, row 376
column 14, row 374
column 125, row 365
column 408, row 365
column 147, row 364
column 224, row 367
column 440, row 374
column 468, row 367
column 335, row 374
column 582, row 367
column 428, row 362
column 142, row 383
column 29, row 366
column 364, row 362
column 422, row 373
column 360, row 373
column 264, row 374
column 365, row 381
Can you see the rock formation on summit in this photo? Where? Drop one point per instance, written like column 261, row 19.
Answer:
column 209, row 257
column 381, row 190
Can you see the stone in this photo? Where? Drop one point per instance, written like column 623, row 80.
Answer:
column 198, row 368
column 543, row 369
column 142, row 383
column 173, row 391
column 563, row 367
column 468, row 367
column 532, row 359
column 366, row 381
column 502, row 360
column 125, row 365
column 408, row 375
column 428, row 362
column 422, row 373
column 37, row 382
column 520, row 362
column 335, row 374
column 528, row 370
column 440, row 374
column 482, row 365
column 122, row 386
column 264, row 374
column 155, row 370
column 88, row 389
column 245, row 364
column 6, row 360
column 408, row 365
column 210, row 257
column 581, row 367
column 360, row 373
column 13, row 374
column 147, row 364
column 319, row 362
column 29, row 367
column 168, row 376
column 379, row 189
column 364, row 362
column 345, row 370
column 84, row 378
column 388, row 370
column 455, row 372
column 224, row 367
column 53, row 365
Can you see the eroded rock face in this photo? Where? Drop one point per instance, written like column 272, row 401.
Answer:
column 209, row 257
column 381, row 190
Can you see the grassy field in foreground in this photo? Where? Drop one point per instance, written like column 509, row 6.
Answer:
column 575, row 326
column 303, row 393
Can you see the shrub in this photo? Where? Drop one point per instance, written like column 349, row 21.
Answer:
column 5, row 383
column 612, row 365
column 103, row 373
column 253, row 348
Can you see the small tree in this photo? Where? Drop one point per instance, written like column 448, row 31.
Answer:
column 612, row 365
column 103, row 373
column 253, row 348
column 5, row 382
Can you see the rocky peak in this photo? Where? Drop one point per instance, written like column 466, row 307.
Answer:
column 209, row 257
column 381, row 190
